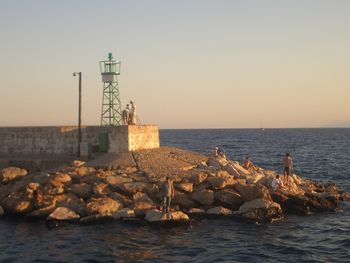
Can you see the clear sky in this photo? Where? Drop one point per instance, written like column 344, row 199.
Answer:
column 185, row 63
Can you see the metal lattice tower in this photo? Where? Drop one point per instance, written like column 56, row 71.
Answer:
column 111, row 107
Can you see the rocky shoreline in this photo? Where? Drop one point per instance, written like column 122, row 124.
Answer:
column 205, row 187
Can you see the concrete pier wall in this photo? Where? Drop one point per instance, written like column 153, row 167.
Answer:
column 64, row 140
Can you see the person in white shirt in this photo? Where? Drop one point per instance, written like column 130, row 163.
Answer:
column 132, row 119
column 277, row 183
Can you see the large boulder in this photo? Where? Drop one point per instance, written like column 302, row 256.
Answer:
column 141, row 208
column 82, row 190
column 132, row 188
column 231, row 170
column 100, row 189
column 124, row 200
column 251, row 192
column 254, row 178
column 115, row 180
column 182, row 200
column 124, row 213
column 217, row 162
column 228, row 198
column 185, row 187
column 96, row 219
column 60, row 179
column 242, row 171
column 155, row 215
column 260, row 211
column 103, row 205
column 219, row 210
column 63, row 214
column 199, row 178
column 11, row 173
column 42, row 212
column 71, row 202
column 17, row 203
column 204, row 197
column 221, row 182
column 142, row 197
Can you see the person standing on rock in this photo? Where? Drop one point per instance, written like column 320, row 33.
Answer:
column 132, row 116
column 287, row 165
column 126, row 113
column 167, row 194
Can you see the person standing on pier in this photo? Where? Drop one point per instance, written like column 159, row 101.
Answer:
column 132, row 118
column 167, row 194
column 126, row 113
column 287, row 165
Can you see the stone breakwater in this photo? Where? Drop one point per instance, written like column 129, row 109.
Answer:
column 205, row 187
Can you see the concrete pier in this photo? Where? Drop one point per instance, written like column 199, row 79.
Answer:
column 63, row 140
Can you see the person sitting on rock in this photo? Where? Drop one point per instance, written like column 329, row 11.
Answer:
column 248, row 164
column 277, row 183
column 219, row 152
column 167, row 194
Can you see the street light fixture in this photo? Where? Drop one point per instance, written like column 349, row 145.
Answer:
column 79, row 112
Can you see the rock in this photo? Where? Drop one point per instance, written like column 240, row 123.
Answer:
column 183, row 200
column 251, row 192
column 199, row 178
column 124, row 213
column 155, row 215
column 217, row 162
column 43, row 212
column 219, row 210
column 77, row 163
column 141, row 208
column 132, row 188
column 142, row 197
column 1, row 211
column 103, row 206
column 82, row 190
column 63, row 214
column 70, row 201
column 60, row 179
column 11, row 173
column 186, row 187
column 243, row 172
column 221, row 182
column 117, row 179
column 17, row 203
column 100, row 189
column 204, row 197
column 82, row 170
column 202, row 165
column 96, row 219
column 254, row 178
column 124, row 200
column 196, row 211
column 228, row 198
column 231, row 170
column 260, row 211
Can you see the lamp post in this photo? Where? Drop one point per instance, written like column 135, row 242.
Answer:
column 79, row 111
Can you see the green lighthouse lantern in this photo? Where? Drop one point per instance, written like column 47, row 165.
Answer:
column 111, row 106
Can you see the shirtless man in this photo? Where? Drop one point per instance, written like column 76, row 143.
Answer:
column 287, row 165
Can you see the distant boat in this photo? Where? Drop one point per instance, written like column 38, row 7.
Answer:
column 262, row 129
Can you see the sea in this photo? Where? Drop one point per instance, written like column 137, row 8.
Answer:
column 319, row 154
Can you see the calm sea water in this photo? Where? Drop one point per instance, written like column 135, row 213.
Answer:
column 319, row 154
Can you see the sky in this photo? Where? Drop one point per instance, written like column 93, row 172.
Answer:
column 185, row 63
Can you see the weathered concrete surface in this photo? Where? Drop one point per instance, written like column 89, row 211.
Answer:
column 64, row 140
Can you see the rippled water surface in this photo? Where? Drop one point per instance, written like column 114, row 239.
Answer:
column 319, row 154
